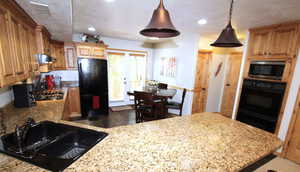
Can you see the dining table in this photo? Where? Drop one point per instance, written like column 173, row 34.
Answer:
column 160, row 94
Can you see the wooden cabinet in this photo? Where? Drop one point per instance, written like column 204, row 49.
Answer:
column 17, row 44
column 259, row 40
column 43, row 40
column 84, row 51
column 7, row 74
column 231, row 82
column 201, row 82
column 25, row 50
column 74, row 101
column 71, row 57
column 277, row 41
column 91, row 50
column 33, row 51
column 17, row 51
column 283, row 41
column 57, row 52
column 98, row 52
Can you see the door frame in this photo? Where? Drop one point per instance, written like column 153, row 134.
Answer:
column 127, row 53
column 291, row 126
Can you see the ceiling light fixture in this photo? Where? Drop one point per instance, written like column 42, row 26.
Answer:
column 228, row 36
column 110, row 0
column 92, row 29
column 202, row 21
column 154, row 38
column 39, row 4
column 160, row 25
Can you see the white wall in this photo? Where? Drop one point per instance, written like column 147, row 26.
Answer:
column 184, row 48
column 288, row 111
column 117, row 44
column 216, row 83
column 6, row 96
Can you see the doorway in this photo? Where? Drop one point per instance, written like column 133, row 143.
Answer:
column 126, row 72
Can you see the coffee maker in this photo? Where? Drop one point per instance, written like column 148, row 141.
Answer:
column 24, row 96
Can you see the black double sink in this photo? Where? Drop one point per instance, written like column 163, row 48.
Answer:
column 52, row 146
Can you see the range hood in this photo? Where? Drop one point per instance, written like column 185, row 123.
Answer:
column 45, row 59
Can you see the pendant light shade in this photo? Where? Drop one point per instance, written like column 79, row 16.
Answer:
column 160, row 25
column 228, row 38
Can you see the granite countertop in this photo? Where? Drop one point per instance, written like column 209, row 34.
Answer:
column 199, row 142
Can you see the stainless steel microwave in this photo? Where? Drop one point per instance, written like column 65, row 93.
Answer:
column 267, row 69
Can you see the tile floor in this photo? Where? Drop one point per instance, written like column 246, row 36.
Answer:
column 279, row 165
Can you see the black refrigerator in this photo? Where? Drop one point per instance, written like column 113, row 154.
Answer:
column 93, row 86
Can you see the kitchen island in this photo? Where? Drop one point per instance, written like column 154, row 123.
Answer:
column 199, row 142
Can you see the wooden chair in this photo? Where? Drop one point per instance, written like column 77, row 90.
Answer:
column 162, row 86
column 147, row 107
column 176, row 105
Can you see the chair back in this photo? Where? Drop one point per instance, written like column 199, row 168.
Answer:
column 183, row 96
column 162, row 86
column 143, row 98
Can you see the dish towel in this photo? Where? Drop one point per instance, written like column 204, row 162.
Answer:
column 96, row 102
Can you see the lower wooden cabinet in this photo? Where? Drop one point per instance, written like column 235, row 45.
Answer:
column 74, row 101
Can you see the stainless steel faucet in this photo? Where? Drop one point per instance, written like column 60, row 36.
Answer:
column 21, row 133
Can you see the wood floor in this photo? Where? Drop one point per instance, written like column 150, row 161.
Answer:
column 114, row 119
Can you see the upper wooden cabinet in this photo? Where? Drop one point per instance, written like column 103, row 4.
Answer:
column 17, row 44
column 57, row 52
column 91, row 50
column 277, row 41
column 33, row 51
column 71, row 57
column 259, row 41
column 283, row 41
column 7, row 63
column 43, row 40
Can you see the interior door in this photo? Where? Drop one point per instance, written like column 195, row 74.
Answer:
column 201, row 81
column 230, row 85
column 116, row 77
column 293, row 146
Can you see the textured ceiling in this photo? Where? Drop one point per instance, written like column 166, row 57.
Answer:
column 58, row 20
column 125, row 18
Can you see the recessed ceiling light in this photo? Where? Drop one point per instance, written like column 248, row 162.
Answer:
column 39, row 4
column 109, row 0
column 154, row 38
column 202, row 21
column 92, row 29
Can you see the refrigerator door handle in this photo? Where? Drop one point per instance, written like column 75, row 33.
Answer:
column 80, row 67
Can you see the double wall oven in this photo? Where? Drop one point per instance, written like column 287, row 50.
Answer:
column 262, row 95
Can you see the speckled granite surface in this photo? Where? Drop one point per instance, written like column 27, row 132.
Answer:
column 200, row 142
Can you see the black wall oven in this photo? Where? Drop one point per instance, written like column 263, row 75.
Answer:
column 260, row 103
column 267, row 69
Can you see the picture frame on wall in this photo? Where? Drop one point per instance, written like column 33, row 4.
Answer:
column 168, row 67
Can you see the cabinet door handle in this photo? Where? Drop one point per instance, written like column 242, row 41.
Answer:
column 19, row 73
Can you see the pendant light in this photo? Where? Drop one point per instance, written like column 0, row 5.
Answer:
column 160, row 25
column 228, row 36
